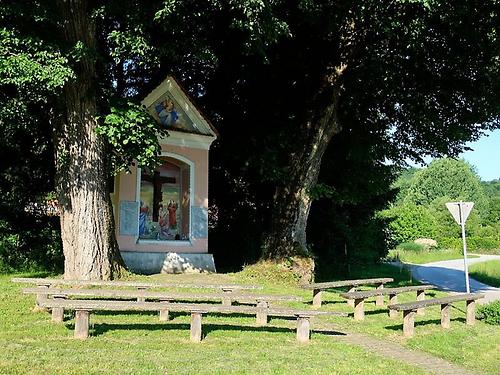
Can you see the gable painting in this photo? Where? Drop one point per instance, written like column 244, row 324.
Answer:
column 171, row 116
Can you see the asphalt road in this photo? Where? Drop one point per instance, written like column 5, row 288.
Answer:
column 449, row 276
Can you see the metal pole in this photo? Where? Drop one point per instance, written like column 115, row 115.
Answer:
column 466, row 268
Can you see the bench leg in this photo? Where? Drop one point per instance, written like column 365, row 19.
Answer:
column 226, row 300
column 408, row 323
column 164, row 313
column 40, row 298
column 350, row 302
column 262, row 307
column 141, row 299
column 359, row 309
column 393, row 299
column 58, row 312
column 379, row 300
column 82, row 324
column 195, row 326
column 445, row 315
column 303, row 329
column 471, row 312
column 420, row 297
column 317, row 297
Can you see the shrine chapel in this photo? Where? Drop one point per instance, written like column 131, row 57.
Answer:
column 162, row 215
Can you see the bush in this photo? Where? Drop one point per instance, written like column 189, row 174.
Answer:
column 450, row 243
column 409, row 222
column 474, row 243
column 34, row 247
column 479, row 243
column 489, row 313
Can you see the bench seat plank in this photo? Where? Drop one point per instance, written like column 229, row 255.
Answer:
column 414, row 305
column 97, row 305
column 341, row 283
column 136, row 284
column 385, row 291
column 117, row 293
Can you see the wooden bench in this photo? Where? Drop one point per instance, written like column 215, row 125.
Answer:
column 359, row 298
column 47, row 283
column 262, row 301
column 410, row 308
column 318, row 288
column 83, row 308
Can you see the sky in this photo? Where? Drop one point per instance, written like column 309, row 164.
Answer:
column 485, row 156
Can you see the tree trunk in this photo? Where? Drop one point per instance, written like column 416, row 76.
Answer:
column 87, row 224
column 292, row 200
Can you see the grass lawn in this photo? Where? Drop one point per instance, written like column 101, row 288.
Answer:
column 425, row 256
column 139, row 344
column 486, row 272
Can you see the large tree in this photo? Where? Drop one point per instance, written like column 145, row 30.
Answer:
column 421, row 77
column 422, row 74
column 57, row 62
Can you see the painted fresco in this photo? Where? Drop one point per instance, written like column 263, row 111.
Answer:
column 171, row 116
column 147, row 227
column 165, row 220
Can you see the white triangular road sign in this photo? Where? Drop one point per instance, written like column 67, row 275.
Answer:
column 454, row 208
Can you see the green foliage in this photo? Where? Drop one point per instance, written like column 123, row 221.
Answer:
column 489, row 313
column 491, row 188
column 323, row 191
column 446, row 180
column 494, row 212
column 131, row 43
column 454, row 243
column 35, row 68
column 403, row 183
column 409, row 222
column 454, row 179
column 37, row 247
column 133, row 135
column 27, row 240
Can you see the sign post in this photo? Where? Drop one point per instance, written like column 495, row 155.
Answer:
column 460, row 212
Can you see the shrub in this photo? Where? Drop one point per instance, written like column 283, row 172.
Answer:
column 489, row 313
column 450, row 243
column 409, row 222
column 37, row 247
column 479, row 243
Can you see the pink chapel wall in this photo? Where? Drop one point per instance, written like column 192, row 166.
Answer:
column 126, row 186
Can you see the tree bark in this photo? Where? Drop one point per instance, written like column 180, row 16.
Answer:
column 87, row 224
column 292, row 200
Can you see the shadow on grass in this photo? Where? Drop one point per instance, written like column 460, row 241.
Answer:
column 435, row 322
column 309, row 303
column 175, row 314
column 377, row 312
column 102, row 328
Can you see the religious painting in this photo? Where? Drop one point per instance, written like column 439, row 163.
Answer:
column 147, row 227
column 171, row 116
column 170, row 214
column 161, row 213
